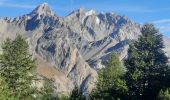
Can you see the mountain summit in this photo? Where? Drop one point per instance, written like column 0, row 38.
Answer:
column 71, row 49
column 43, row 9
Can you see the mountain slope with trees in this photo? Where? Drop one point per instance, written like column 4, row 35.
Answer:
column 72, row 48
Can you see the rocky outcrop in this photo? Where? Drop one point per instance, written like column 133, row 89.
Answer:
column 71, row 49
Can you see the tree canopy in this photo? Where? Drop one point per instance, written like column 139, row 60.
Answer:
column 16, row 67
column 111, row 83
column 147, row 65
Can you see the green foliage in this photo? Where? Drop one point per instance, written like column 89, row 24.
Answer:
column 147, row 69
column 64, row 97
column 164, row 94
column 76, row 94
column 146, row 73
column 16, row 67
column 110, row 82
column 47, row 91
column 4, row 92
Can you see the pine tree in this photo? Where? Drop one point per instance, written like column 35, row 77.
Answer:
column 164, row 95
column 147, row 69
column 111, row 83
column 16, row 67
column 47, row 91
column 76, row 94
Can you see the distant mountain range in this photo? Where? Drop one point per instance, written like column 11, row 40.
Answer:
column 71, row 49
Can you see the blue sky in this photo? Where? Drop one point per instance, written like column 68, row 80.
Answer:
column 141, row 11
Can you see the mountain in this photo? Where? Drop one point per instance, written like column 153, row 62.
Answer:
column 71, row 49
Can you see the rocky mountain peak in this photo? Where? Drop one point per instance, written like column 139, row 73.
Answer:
column 79, row 11
column 71, row 49
column 43, row 9
column 90, row 12
column 82, row 11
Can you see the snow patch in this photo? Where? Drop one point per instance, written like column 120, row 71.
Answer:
column 97, row 20
column 83, row 19
column 91, row 12
column 88, row 13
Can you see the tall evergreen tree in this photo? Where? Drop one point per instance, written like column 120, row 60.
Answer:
column 111, row 83
column 147, row 69
column 16, row 67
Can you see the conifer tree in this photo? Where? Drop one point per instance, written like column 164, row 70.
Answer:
column 147, row 69
column 111, row 83
column 16, row 67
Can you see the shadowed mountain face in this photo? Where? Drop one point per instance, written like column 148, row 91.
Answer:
column 70, row 49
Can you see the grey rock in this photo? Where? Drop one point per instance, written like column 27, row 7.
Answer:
column 71, row 49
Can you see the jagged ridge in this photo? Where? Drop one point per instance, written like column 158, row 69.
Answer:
column 71, row 49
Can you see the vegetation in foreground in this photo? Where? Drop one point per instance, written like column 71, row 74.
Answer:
column 144, row 75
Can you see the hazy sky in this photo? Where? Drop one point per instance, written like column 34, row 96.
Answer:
column 141, row 11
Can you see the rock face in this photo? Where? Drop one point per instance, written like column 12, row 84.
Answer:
column 70, row 49
column 167, row 46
